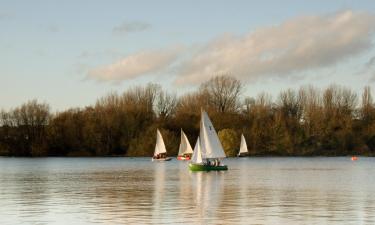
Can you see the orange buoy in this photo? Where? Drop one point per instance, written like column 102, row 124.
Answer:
column 354, row 158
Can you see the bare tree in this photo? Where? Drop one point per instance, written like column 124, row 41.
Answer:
column 31, row 120
column 111, row 100
column 192, row 103
column 339, row 101
column 367, row 108
column 312, row 115
column 248, row 103
column 141, row 98
column 290, row 104
column 165, row 104
column 223, row 92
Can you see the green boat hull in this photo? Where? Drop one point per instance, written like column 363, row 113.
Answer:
column 201, row 167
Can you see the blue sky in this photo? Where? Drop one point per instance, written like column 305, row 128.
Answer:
column 69, row 53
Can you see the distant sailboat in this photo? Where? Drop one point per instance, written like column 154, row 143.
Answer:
column 243, row 147
column 197, row 154
column 208, row 150
column 160, row 153
column 185, row 151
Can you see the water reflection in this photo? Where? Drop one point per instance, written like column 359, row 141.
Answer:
column 136, row 191
column 207, row 194
column 159, row 191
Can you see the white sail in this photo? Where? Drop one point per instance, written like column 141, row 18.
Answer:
column 210, row 143
column 197, row 154
column 160, row 146
column 185, row 147
column 243, row 147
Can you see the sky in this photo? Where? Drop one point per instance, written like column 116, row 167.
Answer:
column 70, row 53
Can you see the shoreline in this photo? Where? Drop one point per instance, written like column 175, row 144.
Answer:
column 252, row 156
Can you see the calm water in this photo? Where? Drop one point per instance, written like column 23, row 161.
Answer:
column 129, row 190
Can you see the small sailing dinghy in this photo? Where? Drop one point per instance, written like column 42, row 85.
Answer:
column 208, row 150
column 185, row 151
column 160, row 153
column 243, row 147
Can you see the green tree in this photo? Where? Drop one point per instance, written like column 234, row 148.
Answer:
column 230, row 141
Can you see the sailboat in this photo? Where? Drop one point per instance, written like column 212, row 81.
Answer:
column 160, row 153
column 208, row 150
column 243, row 147
column 197, row 154
column 185, row 151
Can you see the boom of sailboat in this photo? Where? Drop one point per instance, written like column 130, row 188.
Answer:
column 208, row 151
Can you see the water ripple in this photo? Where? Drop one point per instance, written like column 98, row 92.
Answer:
column 136, row 191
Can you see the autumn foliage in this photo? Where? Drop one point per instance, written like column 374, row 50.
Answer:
column 309, row 121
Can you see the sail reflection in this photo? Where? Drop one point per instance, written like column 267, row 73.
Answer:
column 159, row 192
column 208, row 191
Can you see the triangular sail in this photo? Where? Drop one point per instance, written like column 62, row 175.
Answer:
column 210, row 143
column 160, row 146
column 197, row 154
column 243, row 147
column 185, row 147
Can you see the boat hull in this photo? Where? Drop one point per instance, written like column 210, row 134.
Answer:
column 161, row 160
column 183, row 158
column 201, row 167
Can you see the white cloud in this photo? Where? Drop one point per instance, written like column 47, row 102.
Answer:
column 139, row 64
column 302, row 43
column 298, row 45
column 130, row 27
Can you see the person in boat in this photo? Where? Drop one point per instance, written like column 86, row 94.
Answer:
column 215, row 162
column 186, row 156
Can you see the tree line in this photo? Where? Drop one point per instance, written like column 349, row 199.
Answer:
column 306, row 122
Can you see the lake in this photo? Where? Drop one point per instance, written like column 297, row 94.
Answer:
column 258, row 190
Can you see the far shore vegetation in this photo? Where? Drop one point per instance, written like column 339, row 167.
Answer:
column 307, row 122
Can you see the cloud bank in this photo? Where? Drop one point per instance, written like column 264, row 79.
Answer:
column 297, row 45
column 136, row 65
